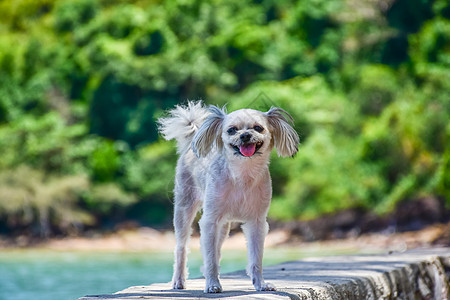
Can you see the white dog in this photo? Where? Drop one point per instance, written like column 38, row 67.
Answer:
column 223, row 168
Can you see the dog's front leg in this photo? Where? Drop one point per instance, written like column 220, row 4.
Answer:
column 255, row 233
column 209, row 235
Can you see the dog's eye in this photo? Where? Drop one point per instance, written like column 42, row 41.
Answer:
column 258, row 128
column 232, row 130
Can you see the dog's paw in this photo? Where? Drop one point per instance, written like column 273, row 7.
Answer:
column 178, row 284
column 213, row 289
column 267, row 287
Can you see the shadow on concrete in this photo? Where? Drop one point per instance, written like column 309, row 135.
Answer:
column 195, row 294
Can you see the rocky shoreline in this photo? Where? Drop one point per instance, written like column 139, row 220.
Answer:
column 148, row 239
column 421, row 223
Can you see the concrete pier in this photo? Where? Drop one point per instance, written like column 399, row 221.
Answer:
column 415, row 274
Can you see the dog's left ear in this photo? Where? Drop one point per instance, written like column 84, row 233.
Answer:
column 284, row 136
column 210, row 133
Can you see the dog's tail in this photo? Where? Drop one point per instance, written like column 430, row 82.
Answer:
column 182, row 124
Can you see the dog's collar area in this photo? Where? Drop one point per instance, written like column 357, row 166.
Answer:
column 237, row 150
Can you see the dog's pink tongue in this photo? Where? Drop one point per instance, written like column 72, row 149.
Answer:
column 247, row 150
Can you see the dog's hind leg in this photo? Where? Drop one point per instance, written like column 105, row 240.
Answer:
column 187, row 204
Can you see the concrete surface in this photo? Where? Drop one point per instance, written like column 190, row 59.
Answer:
column 416, row 274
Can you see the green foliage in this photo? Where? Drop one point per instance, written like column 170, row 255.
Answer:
column 71, row 14
column 82, row 82
column 29, row 198
column 43, row 142
column 150, row 172
column 104, row 162
column 443, row 174
column 377, row 87
column 104, row 198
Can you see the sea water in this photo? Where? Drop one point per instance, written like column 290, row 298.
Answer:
column 31, row 274
column 45, row 274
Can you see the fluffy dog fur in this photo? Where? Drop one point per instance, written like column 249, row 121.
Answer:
column 223, row 168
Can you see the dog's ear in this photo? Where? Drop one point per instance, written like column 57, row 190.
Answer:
column 210, row 133
column 285, row 138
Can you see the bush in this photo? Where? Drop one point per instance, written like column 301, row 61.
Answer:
column 367, row 84
column 29, row 199
column 73, row 14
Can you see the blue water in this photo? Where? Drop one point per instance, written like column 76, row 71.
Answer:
column 44, row 274
column 69, row 275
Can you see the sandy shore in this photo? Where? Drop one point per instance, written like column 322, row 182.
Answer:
column 148, row 239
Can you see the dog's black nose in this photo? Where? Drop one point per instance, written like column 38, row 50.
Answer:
column 245, row 137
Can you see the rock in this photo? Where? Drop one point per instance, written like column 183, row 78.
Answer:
column 415, row 274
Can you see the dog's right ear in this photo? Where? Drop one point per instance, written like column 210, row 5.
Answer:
column 210, row 133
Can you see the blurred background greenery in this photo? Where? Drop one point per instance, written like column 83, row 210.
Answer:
column 83, row 81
